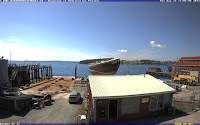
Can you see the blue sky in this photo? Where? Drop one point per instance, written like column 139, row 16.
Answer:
column 77, row 31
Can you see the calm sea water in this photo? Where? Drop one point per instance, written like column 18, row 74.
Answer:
column 64, row 68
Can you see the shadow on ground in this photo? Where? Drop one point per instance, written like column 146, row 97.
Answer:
column 160, row 118
column 157, row 119
column 6, row 114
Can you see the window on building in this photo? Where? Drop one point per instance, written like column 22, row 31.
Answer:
column 191, row 60
column 153, row 105
column 188, row 69
column 183, row 68
column 180, row 68
column 130, row 105
column 177, row 69
column 156, row 102
column 160, row 101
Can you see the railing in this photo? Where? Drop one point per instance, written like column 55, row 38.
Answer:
column 188, row 103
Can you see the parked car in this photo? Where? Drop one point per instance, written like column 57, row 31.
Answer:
column 74, row 97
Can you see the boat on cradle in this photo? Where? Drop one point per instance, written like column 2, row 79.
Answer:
column 104, row 67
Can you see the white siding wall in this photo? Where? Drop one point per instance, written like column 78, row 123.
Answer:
column 130, row 105
column 167, row 100
column 94, row 109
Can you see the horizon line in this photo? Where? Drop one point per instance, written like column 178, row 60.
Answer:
column 78, row 61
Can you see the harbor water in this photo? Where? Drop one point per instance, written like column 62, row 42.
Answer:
column 65, row 68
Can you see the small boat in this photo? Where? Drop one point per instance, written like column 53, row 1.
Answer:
column 153, row 69
column 104, row 67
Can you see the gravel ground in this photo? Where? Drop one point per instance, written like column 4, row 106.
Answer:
column 193, row 117
column 59, row 112
column 184, row 93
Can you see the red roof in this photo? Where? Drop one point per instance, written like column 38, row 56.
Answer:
column 185, row 63
column 193, row 63
column 190, row 58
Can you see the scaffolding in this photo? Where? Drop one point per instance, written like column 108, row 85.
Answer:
column 21, row 75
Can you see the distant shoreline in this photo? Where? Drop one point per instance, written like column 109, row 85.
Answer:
column 42, row 61
column 134, row 62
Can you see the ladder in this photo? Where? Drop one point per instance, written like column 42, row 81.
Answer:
column 14, row 74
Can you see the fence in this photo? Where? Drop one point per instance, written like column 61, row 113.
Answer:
column 81, row 83
column 188, row 103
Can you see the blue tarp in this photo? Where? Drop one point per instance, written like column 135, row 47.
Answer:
column 166, row 82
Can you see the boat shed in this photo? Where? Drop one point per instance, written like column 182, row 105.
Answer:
column 126, row 97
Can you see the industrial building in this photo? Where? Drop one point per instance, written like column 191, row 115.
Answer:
column 186, row 70
column 3, row 73
column 128, row 97
column 14, row 76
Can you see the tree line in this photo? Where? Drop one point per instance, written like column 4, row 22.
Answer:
column 144, row 62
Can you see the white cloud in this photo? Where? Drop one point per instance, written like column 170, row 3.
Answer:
column 153, row 44
column 22, row 52
column 151, row 54
column 123, row 50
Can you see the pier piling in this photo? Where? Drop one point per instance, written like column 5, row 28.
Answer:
column 26, row 74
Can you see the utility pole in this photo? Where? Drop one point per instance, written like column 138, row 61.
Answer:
column 10, row 56
column 75, row 72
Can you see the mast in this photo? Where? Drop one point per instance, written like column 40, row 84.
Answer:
column 10, row 56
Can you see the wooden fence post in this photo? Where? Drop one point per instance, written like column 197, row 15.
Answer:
column 51, row 72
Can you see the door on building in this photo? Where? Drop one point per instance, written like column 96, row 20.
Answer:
column 144, row 105
column 113, row 110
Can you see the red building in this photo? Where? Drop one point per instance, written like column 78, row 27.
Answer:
column 189, row 66
column 128, row 97
column 153, row 69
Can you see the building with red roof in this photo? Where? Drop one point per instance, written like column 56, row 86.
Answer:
column 189, row 66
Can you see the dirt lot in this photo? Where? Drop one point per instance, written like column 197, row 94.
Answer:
column 187, row 93
column 59, row 112
column 53, row 86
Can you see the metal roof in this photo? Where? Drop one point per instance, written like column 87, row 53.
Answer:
column 126, row 85
column 190, row 58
